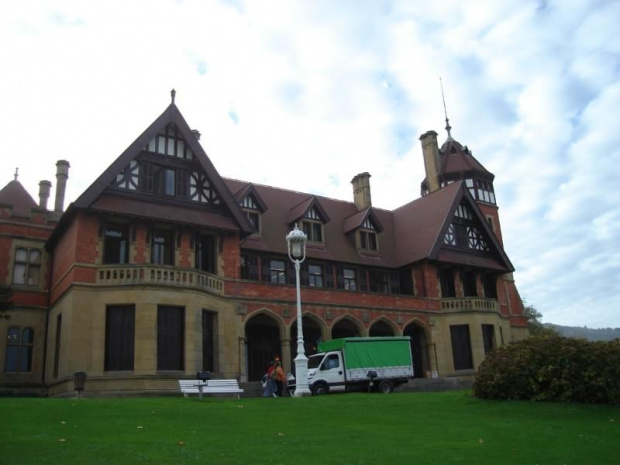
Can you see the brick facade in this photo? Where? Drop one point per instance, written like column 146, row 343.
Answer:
column 232, row 322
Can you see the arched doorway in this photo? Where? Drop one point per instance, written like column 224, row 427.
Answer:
column 312, row 336
column 345, row 328
column 381, row 329
column 263, row 344
column 419, row 349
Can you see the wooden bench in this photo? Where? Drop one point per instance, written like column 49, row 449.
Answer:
column 213, row 386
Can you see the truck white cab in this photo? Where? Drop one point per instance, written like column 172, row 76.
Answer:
column 360, row 364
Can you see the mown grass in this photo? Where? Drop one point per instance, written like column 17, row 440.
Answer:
column 418, row 428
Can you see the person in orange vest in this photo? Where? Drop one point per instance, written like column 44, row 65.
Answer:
column 279, row 376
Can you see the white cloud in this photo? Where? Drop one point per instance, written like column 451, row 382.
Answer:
column 531, row 88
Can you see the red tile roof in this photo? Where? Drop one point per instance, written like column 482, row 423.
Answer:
column 409, row 234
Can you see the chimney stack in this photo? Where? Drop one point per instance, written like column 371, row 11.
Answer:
column 44, row 193
column 430, row 151
column 361, row 191
column 62, row 173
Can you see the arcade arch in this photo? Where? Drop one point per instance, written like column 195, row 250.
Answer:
column 347, row 327
column 262, row 335
column 419, row 348
column 382, row 328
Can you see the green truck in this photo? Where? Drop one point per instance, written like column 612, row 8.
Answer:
column 360, row 364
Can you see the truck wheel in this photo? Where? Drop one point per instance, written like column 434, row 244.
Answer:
column 319, row 389
column 386, row 387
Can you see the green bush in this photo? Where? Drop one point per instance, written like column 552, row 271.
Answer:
column 549, row 368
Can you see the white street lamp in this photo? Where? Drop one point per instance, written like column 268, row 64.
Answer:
column 296, row 241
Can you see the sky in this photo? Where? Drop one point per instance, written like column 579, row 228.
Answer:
column 304, row 95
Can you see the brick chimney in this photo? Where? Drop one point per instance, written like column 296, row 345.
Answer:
column 44, row 193
column 62, row 174
column 361, row 191
column 430, row 151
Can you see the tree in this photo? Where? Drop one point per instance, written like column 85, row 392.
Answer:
column 6, row 303
column 534, row 325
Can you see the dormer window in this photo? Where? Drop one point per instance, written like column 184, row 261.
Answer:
column 312, row 226
column 368, row 235
column 250, row 207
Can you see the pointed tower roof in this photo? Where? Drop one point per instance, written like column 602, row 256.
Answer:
column 458, row 159
column 15, row 195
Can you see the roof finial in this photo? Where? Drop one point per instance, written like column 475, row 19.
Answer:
column 448, row 127
column 173, row 93
column 16, row 170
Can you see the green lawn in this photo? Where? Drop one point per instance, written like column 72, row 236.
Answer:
column 402, row 428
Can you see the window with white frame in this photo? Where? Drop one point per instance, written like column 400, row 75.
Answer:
column 27, row 266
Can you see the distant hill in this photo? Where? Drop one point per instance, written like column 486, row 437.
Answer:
column 601, row 334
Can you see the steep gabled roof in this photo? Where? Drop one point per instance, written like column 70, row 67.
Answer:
column 421, row 225
column 15, row 195
column 300, row 211
column 356, row 220
column 90, row 198
column 249, row 190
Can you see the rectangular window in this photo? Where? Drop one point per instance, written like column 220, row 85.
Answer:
column 379, row 282
column 208, row 340
column 469, row 284
column 27, row 267
column 147, row 177
column 461, row 347
column 19, row 345
column 181, row 183
column 368, row 240
column 314, row 230
column 350, row 280
column 116, row 244
column 206, row 253
column 254, row 218
column 120, row 329
column 406, row 281
column 167, row 179
column 488, row 338
column 162, row 248
column 277, row 271
column 170, row 338
column 57, row 345
column 315, row 275
column 490, row 286
column 446, row 281
column 249, row 267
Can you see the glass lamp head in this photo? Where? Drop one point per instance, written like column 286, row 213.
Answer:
column 296, row 240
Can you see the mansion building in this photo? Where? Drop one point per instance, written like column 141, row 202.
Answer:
column 163, row 268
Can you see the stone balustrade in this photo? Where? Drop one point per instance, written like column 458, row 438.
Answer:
column 470, row 303
column 118, row 275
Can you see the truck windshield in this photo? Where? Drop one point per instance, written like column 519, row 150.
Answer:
column 315, row 360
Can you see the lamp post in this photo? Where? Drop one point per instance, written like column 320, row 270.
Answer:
column 296, row 241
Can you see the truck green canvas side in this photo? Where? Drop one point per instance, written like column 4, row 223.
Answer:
column 361, row 352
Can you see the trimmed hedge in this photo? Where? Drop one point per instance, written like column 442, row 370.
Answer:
column 549, row 368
